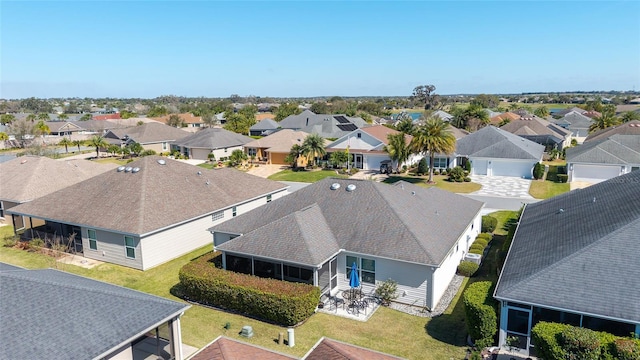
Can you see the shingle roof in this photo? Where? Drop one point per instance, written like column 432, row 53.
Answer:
column 628, row 128
column 7, row 267
column 188, row 118
column 329, row 349
column 491, row 142
column 582, row 258
column 327, row 126
column 535, row 126
column 281, row 141
column 575, row 121
column 152, row 132
column 265, row 124
column 403, row 222
column 29, row 177
column 223, row 348
column 52, row 314
column 151, row 199
column 213, row 138
column 616, row 149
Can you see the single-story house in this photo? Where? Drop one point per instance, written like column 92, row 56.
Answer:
column 574, row 260
column 274, row 148
column 151, row 136
column 149, row 212
column 56, row 315
column 540, row 131
column 495, row 152
column 63, row 128
column 558, row 113
column 605, row 156
column 366, row 146
column 217, row 141
column 325, row 125
column 30, row 177
column 445, row 116
column 577, row 123
column 507, row 116
column 263, row 127
column 191, row 121
column 315, row 234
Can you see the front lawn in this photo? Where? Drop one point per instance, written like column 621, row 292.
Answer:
column 504, row 218
column 308, row 176
column 544, row 189
column 441, row 182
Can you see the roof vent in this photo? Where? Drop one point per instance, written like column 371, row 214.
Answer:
column 135, row 170
column 208, row 182
column 162, row 162
column 560, row 211
column 413, row 193
column 335, row 186
column 594, row 199
column 128, row 169
column 120, row 168
column 23, row 161
column 351, row 187
column 199, row 173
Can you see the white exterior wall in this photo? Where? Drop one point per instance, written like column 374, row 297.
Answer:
column 511, row 167
column 372, row 162
column 595, row 173
column 364, row 142
column 110, row 248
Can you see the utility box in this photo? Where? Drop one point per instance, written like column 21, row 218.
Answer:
column 247, row 331
column 291, row 338
column 476, row 258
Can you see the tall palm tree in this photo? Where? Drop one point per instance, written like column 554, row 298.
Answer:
column 295, row 152
column 42, row 128
column 433, row 138
column 313, row 146
column 604, row 121
column 65, row 142
column 398, row 149
column 63, row 117
column 77, row 143
column 31, row 117
column 43, row 117
column 98, row 142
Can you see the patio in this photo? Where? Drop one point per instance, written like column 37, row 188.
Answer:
column 360, row 308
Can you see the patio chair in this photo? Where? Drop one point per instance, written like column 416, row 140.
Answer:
column 334, row 302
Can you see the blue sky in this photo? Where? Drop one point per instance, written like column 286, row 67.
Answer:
column 303, row 48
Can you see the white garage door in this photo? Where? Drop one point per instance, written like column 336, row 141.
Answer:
column 512, row 168
column 479, row 167
column 372, row 162
column 594, row 173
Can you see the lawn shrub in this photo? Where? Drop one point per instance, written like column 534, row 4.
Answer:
column 282, row 302
column 477, row 246
column 387, row 291
column 423, row 168
column 486, row 236
column 538, row 171
column 482, row 242
column 476, row 251
column 580, row 343
column 467, row 179
column 562, row 178
column 546, row 337
column 467, row 268
column 480, row 313
column 456, row 174
column 489, row 224
column 626, row 349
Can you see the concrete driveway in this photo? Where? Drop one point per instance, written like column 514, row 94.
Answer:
column 502, row 186
column 265, row 170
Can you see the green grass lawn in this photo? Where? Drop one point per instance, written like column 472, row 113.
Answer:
column 387, row 330
column 550, row 187
column 503, row 218
column 305, row 175
column 441, row 182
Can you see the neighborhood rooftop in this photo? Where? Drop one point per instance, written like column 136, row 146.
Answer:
column 491, row 142
column 213, row 138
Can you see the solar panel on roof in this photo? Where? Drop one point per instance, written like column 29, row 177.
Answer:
column 347, row 127
column 342, row 119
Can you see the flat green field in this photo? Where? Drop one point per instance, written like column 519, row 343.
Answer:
column 309, row 176
column 441, row 183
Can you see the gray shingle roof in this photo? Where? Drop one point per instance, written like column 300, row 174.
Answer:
column 533, row 125
column 324, row 125
column 29, row 177
column 213, row 138
column 265, row 124
column 52, row 314
column 151, row 132
column 576, row 122
column 617, row 149
column 7, row 267
column 151, row 199
column 628, row 128
column 583, row 258
column 491, row 142
column 404, row 222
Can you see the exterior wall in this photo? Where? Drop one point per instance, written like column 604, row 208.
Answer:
column 111, row 248
column 502, row 167
column 221, row 238
column 157, row 147
column 595, row 173
column 372, row 162
column 6, row 205
column 364, row 142
column 203, row 154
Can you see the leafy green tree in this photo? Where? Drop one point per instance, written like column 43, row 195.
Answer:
column 398, row 149
column 135, row 148
column 629, row 116
column 65, row 141
column 405, row 124
column 209, row 120
column 425, row 95
column 239, row 123
column 285, row 110
column 433, row 138
column 4, row 136
column 157, row 111
column 237, row 157
column 486, row 101
column 20, row 129
column 42, row 128
column 98, row 142
column 126, row 114
column 176, row 121
column 249, row 112
column 313, row 147
column 541, row 111
column 604, row 121
column 338, row 158
column 31, row 117
column 7, row 119
column 320, row 107
column 113, row 149
column 86, row 117
column 365, row 116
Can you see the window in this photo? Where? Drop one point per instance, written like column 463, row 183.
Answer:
column 359, row 135
column 225, row 149
column 130, row 247
column 93, row 239
column 440, row 163
column 235, row 211
column 164, row 146
column 252, row 152
column 219, row 215
column 269, row 198
column 366, row 267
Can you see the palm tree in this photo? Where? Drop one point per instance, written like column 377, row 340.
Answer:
column 65, row 142
column 398, row 149
column 295, row 152
column 43, row 117
column 433, row 138
column 31, row 117
column 77, row 143
column 313, row 146
column 4, row 136
column 604, row 121
column 63, row 117
column 42, row 128
column 98, row 142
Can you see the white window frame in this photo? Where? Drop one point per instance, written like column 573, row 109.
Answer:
column 234, row 211
column 92, row 240
column 269, row 198
column 218, row 215
column 127, row 247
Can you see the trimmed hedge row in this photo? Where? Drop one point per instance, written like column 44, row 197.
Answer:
column 467, row 268
column 282, row 302
column 480, row 313
column 480, row 243
column 556, row 341
column 489, row 224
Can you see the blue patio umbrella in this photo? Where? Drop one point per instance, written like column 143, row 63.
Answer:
column 354, row 280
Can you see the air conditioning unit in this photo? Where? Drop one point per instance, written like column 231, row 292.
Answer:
column 476, row 258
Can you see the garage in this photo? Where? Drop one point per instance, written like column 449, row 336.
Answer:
column 372, row 162
column 594, row 173
column 479, row 167
column 512, row 168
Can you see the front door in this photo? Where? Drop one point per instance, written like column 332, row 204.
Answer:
column 77, row 239
column 518, row 328
column 358, row 161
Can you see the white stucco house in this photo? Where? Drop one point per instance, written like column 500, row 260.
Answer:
column 315, row 234
column 147, row 213
column 217, row 141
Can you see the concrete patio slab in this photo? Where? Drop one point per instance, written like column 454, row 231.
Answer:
column 502, row 186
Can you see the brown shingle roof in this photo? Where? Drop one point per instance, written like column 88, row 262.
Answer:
column 155, row 197
column 186, row 117
column 30, row 177
column 328, row 349
column 496, row 120
column 152, row 132
column 224, row 348
column 380, row 132
column 280, row 141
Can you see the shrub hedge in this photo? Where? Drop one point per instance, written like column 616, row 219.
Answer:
column 480, row 313
column 476, row 251
column 489, row 224
column 486, row 236
column 467, row 268
column 562, row 178
column 556, row 341
column 282, row 302
column 538, row 171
